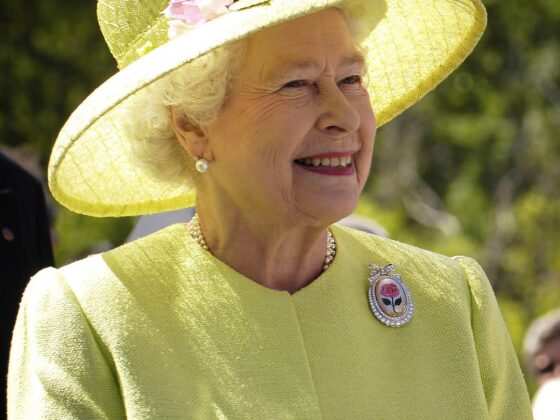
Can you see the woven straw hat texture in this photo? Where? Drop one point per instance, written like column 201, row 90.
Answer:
column 410, row 47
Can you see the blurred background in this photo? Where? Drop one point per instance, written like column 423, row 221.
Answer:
column 473, row 169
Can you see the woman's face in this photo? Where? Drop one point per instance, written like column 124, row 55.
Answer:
column 297, row 101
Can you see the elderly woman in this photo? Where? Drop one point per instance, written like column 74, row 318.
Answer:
column 260, row 307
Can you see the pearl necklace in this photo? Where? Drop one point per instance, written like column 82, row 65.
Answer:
column 193, row 227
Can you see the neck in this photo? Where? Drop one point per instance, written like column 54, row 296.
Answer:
column 278, row 255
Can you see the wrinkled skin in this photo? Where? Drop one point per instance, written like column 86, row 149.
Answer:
column 299, row 94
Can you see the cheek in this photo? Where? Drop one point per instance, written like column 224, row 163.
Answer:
column 367, row 133
column 363, row 166
column 368, row 123
column 283, row 122
column 277, row 130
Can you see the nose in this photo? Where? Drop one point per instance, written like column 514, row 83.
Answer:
column 338, row 118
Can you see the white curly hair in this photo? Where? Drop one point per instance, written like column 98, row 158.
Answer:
column 197, row 90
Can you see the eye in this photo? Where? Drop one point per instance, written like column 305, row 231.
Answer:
column 352, row 80
column 295, row 84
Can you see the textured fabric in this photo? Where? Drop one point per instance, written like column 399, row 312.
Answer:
column 159, row 328
column 410, row 46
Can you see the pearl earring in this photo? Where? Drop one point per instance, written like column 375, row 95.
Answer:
column 201, row 165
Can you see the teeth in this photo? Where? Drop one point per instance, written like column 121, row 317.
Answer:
column 331, row 162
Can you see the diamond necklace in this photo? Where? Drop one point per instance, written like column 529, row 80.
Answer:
column 193, row 227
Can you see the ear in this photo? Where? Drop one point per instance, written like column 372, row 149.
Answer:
column 192, row 138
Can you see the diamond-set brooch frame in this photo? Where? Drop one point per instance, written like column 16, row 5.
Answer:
column 390, row 321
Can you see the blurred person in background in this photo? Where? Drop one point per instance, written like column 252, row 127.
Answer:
column 146, row 225
column 546, row 404
column 541, row 350
column 25, row 246
column 262, row 114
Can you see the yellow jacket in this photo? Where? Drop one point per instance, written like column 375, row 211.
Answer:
column 159, row 328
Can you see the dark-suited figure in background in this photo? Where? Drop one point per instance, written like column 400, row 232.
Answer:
column 25, row 247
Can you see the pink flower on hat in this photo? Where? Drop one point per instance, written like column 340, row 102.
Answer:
column 186, row 14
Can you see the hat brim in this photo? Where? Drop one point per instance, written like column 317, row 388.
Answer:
column 409, row 47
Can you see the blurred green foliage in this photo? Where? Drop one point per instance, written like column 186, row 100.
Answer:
column 52, row 56
column 473, row 169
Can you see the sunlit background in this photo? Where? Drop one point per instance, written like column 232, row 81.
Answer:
column 473, row 169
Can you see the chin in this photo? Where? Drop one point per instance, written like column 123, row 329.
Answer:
column 331, row 209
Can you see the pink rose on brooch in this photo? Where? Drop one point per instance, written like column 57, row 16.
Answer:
column 186, row 14
column 389, row 292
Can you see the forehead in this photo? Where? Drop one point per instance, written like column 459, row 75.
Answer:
column 315, row 38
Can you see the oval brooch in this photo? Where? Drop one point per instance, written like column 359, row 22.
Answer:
column 389, row 298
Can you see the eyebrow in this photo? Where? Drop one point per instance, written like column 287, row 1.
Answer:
column 350, row 60
column 289, row 67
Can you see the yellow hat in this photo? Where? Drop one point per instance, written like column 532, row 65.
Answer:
column 410, row 47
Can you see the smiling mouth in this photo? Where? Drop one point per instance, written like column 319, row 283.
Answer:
column 338, row 165
column 332, row 162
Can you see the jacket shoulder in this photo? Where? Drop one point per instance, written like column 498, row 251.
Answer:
column 392, row 248
column 436, row 277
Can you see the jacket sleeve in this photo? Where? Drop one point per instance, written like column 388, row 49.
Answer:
column 504, row 386
column 57, row 369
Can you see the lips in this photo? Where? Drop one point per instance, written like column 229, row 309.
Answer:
column 332, row 162
column 328, row 163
